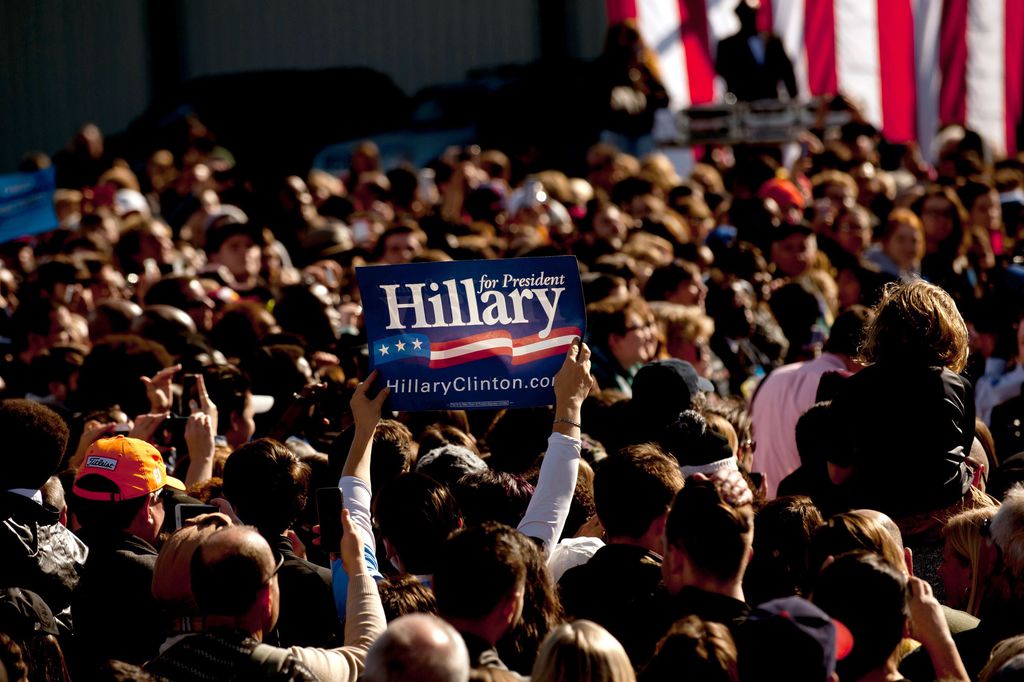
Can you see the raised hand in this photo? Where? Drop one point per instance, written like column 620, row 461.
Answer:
column 573, row 382
column 146, row 425
column 158, row 388
column 366, row 411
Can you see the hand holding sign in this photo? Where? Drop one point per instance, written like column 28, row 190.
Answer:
column 366, row 410
column 574, row 382
column 572, row 385
column 471, row 334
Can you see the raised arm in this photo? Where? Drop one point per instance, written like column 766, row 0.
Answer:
column 355, row 486
column 365, row 621
column 549, row 508
column 366, row 413
column 929, row 627
column 355, row 474
column 201, row 437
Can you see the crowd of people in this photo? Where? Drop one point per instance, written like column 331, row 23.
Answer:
column 788, row 447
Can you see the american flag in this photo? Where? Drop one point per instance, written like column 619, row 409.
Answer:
column 490, row 344
column 911, row 65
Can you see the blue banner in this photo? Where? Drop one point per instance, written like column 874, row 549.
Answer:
column 26, row 203
column 471, row 334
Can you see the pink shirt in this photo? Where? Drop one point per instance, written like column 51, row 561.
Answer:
column 781, row 399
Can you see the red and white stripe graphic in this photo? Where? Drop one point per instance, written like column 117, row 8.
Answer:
column 911, row 65
column 495, row 343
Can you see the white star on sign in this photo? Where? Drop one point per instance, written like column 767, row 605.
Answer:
column 383, row 350
column 416, row 343
column 400, row 346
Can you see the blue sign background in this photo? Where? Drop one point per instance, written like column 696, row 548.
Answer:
column 26, row 203
column 455, row 367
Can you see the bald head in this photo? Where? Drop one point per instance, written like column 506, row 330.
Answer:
column 418, row 646
column 230, row 570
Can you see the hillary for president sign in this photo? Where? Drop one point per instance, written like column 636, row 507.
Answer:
column 471, row 334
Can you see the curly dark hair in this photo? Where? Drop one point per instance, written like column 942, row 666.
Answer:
column 38, row 435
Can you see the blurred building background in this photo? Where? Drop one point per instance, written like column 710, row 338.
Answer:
column 65, row 62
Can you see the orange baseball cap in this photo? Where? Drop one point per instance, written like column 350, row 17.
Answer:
column 133, row 465
column 784, row 192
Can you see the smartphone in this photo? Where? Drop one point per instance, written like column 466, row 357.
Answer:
column 328, row 509
column 426, row 185
column 184, row 512
column 361, row 230
column 189, row 394
column 172, row 434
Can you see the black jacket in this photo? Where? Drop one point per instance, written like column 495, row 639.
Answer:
column 614, row 589
column 114, row 611
column 308, row 616
column 665, row 609
column 906, row 431
column 37, row 553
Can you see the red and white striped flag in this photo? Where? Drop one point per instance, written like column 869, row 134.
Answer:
column 911, row 65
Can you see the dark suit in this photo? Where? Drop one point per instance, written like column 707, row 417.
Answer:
column 749, row 80
column 308, row 616
column 612, row 590
column 113, row 608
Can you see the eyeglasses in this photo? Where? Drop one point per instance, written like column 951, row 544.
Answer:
column 161, row 494
column 280, row 563
column 640, row 327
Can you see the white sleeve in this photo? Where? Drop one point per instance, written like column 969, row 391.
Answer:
column 549, row 508
column 356, row 496
column 990, row 393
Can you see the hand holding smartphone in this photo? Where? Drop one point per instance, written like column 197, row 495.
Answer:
column 189, row 395
column 184, row 512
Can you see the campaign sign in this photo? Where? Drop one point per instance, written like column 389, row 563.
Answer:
column 26, row 203
column 471, row 334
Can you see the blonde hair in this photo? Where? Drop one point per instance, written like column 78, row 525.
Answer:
column 963, row 536
column 582, row 650
column 657, row 168
column 828, row 178
column 685, row 321
column 1001, row 655
column 917, row 323
column 725, row 429
column 645, row 247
